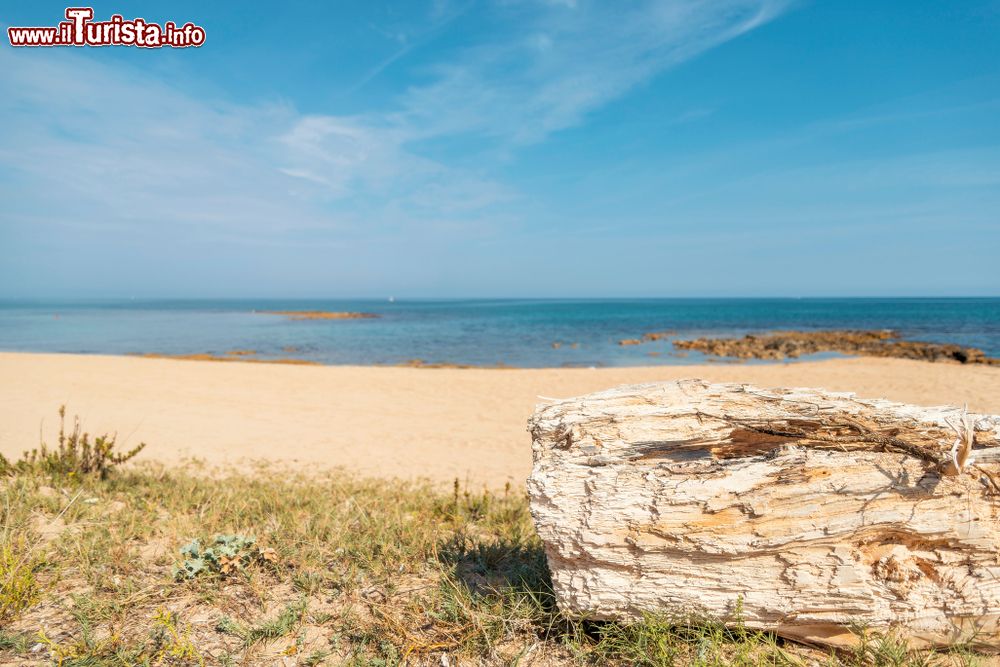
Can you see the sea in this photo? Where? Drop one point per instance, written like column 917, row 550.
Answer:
column 481, row 332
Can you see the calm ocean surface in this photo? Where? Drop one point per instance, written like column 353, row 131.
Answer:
column 480, row 332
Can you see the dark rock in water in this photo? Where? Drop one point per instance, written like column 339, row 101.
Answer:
column 657, row 335
column 793, row 344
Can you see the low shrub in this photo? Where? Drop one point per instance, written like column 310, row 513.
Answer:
column 77, row 454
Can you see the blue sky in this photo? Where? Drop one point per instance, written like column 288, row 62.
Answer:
column 508, row 148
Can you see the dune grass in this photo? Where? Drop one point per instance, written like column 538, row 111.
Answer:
column 343, row 571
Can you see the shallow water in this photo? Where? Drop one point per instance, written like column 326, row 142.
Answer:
column 478, row 332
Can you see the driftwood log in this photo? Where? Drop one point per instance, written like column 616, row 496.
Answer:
column 798, row 511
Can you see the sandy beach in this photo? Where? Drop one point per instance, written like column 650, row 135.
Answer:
column 377, row 421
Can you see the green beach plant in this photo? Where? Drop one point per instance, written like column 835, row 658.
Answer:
column 227, row 555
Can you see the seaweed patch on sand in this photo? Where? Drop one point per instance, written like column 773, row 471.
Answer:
column 242, row 356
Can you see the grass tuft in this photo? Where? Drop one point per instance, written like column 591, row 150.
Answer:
column 290, row 618
column 19, row 585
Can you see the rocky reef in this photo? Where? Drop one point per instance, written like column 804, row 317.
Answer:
column 319, row 315
column 792, row 344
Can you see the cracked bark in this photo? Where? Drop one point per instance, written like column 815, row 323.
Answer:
column 809, row 510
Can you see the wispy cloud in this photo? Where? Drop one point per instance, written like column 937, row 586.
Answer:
column 91, row 145
column 565, row 61
column 443, row 13
column 554, row 64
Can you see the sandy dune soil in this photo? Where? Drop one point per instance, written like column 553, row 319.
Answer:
column 403, row 422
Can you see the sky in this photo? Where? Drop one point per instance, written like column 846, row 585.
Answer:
column 508, row 148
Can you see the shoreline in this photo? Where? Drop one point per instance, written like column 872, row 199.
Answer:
column 386, row 421
column 251, row 357
column 773, row 346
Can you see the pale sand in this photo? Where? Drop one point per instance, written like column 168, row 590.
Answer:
column 399, row 422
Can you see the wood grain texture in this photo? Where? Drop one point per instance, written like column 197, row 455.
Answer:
column 809, row 510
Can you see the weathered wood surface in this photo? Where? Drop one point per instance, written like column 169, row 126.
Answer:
column 810, row 510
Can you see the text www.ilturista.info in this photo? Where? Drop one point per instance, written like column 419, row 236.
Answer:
column 80, row 30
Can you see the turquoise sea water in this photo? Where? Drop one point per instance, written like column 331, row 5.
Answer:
column 479, row 332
